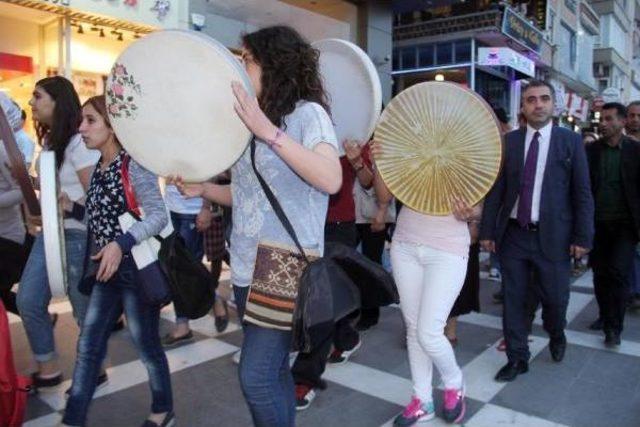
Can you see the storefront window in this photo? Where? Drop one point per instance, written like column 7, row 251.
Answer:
column 408, row 58
column 493, row 89
column 463, row 51
column 396, row 60
column 425, row 55
column 444, row 53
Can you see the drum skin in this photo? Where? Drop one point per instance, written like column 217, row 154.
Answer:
column 439, row 140
column 170, row 103
column 353, row 87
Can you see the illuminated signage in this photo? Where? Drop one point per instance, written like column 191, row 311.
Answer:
column 521, row 31
column 503, row 56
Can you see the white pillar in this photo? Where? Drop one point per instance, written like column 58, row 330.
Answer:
column 67, row 47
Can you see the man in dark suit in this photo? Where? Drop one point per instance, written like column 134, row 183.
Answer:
column 614, row 165
column 538, row 215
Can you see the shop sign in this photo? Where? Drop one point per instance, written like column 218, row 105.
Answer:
column 560, row 103
column 521, row 31
column 503, row 56
column 611, row 94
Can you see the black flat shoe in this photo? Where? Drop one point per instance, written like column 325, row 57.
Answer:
column 511, row 370
column 557, row 348
column 222, row 322
column 168, row 421
column 39, row 382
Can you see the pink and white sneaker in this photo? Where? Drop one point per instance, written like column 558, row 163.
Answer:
column 454, row 405
column 415, row 412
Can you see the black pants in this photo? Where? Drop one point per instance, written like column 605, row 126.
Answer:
column 520, row 257
column 372, row 247
column 309, row 367
column 13, row 257
column 611, row 259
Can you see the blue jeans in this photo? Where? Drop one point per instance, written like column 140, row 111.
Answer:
column 185, row 225
column 265, row 377
column 34, row 293
column 107, row 301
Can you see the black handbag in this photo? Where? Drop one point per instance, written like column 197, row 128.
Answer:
column 193, row 289
column 176, row 275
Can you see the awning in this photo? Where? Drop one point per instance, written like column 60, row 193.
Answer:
column 12, row 66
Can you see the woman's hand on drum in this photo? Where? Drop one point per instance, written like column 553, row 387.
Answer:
column 461, row 210
column 251, row 114
column 34, row 220
column 353, row 151
column 190, row 190
column 109, row 257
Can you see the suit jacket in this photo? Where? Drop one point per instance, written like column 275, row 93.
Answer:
column 566, row 202
column 630, row 164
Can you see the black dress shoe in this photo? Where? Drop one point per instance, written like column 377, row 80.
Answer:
column 557, row 347
column 511, row 370
column 611, row 338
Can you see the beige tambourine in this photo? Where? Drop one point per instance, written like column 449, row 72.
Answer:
column 438, row 140
column 52, row 225
column 170, row 102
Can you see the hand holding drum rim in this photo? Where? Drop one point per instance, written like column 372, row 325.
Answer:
column 353, row 151
column 461, row 209
column 188, row 190
column 109, row 257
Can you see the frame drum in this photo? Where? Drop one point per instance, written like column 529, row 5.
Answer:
column 352, row 83
column 170, row 102
column 52, row 225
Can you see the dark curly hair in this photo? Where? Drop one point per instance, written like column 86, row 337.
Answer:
column 290, row 70
column 67, row 116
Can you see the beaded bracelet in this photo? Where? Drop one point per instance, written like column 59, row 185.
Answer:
column 274, row 142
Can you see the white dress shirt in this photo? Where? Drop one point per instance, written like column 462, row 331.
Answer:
column 543, row 151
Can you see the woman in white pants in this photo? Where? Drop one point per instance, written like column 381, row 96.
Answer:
column 429, row 257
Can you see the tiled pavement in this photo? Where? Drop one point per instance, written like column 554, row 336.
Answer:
column 592, row 387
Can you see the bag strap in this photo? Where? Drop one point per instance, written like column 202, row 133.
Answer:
column 273, row 201
column 129, row 195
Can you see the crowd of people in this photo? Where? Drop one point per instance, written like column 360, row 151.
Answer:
column 556, row 199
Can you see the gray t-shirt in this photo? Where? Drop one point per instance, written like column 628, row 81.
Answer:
column 305, row 206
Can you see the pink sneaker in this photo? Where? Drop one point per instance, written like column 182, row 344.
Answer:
column 454, row 405
column 415, row 412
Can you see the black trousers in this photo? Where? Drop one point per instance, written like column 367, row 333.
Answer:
column 520, row 257
column 372, row 247
column 309, row 367
column 611, row 260
column 13, row 257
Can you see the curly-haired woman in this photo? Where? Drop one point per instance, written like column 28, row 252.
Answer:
column 296, row 153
